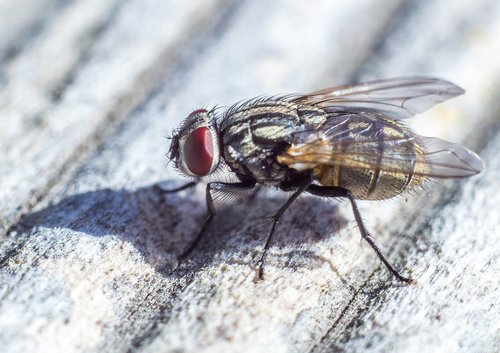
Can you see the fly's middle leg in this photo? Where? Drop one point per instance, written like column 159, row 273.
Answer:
column 214, row 187
column 333, row 191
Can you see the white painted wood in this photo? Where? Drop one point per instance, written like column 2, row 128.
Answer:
column 93, row 266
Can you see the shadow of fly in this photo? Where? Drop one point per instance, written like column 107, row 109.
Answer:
column 341, row 142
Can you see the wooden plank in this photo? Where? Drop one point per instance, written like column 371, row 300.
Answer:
column 102, row 256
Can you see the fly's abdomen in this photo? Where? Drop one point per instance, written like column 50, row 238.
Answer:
column 367, row 184
column 387, row 144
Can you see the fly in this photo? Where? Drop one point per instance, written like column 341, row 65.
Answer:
column 345, row 142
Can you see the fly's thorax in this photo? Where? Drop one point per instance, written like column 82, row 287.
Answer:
column 254, row 133
column 195, row 145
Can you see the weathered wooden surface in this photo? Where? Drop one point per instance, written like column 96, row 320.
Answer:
column 88, row 248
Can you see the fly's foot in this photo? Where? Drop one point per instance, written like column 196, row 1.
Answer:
column 406, row 280
column 259, row 274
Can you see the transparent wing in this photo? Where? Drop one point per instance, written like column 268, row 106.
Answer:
column 362, row 144
column 398, row 98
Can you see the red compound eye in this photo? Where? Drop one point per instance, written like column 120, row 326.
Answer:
column 199, row 151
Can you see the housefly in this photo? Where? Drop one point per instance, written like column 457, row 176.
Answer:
column 341, row 142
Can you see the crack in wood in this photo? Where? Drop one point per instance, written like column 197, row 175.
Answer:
column 322, row 345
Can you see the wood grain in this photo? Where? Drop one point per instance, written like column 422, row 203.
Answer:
column 88, row 255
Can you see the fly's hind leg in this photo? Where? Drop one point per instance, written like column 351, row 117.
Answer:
column 214, row 187
column 332, row 191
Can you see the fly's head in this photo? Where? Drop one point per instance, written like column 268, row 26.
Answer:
column 195, row 145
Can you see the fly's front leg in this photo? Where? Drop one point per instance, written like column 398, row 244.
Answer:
column 332, row 191
column 215, row 187
column 162, row 190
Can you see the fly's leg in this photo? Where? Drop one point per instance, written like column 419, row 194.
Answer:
column 171, row 191
column 216, row 187
column 163, row 192
column 276, row 218
column 332, row 191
